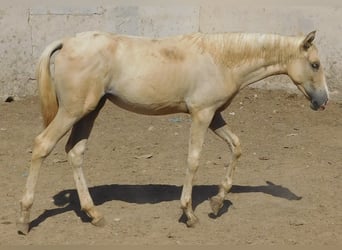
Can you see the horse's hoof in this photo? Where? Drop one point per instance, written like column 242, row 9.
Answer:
column 23, row 228
column 216, row 203
column 99, row 222
column 191, row 222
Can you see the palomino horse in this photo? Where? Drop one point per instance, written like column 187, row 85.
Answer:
column 198, row 74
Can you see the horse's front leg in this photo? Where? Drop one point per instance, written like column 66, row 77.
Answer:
column 199, row 126
column 220, row 128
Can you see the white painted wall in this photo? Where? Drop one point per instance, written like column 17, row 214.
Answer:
column 28, row 26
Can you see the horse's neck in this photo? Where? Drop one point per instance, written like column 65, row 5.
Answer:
column 256, row 70
column 251, row 57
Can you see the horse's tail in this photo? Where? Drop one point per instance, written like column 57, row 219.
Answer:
column 47, row 93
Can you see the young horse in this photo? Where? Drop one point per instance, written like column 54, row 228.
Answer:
column 197, row 74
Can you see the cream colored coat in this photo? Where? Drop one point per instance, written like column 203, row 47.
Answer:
column 197, row 74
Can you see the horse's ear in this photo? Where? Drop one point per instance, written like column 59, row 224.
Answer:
column 307, row 42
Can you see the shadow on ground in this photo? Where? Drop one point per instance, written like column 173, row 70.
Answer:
column 67, row 200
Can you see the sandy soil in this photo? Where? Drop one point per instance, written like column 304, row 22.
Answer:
column 287, row 186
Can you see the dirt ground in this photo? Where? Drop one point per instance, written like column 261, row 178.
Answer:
column 287, row 185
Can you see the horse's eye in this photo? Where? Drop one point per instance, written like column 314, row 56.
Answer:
column 315, row 65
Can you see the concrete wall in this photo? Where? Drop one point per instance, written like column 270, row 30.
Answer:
column 28, row 26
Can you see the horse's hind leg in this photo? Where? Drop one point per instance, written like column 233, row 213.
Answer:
column 221, row 129
column 75, row 148
column 43, row 145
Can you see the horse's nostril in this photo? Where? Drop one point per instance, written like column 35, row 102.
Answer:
column 314, row 105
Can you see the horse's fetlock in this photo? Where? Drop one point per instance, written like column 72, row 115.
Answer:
column 185, row 203
column 26, row 203
column 237, row 151
column 87, row 209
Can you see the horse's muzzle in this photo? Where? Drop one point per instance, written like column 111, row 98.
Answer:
column 319, row 102
column 319, row 98
column 315, row 106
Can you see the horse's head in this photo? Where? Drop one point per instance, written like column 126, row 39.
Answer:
column 307, row 73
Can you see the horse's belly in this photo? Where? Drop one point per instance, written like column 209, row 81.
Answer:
column 150, row 93
column 150, row 108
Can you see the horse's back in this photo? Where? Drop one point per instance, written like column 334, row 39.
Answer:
column 153, row 76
